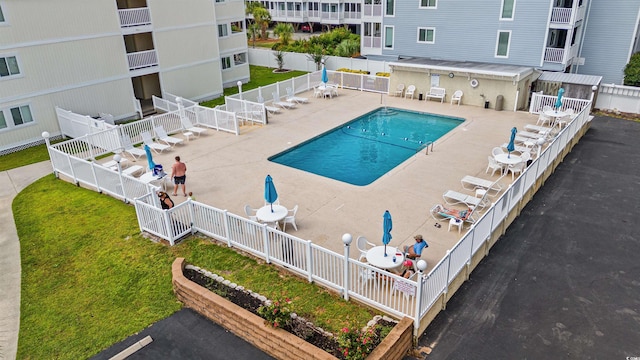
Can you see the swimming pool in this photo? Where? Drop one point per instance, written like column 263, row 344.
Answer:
column 362, row 150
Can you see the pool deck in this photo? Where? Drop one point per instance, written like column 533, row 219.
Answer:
column 227, row 171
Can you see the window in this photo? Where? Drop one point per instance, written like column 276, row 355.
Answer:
column 21, row 115
column 502, row 47
column 236, row 27
column 226, row 62
column 219, row 1
column 390, row 8
column 1, row 15
column 427, row 35
column 239, row 59
column 428, row 3
column 222, row 30
column 15, row 116
column 388, row 37
column 507, row 9
column 9, row 66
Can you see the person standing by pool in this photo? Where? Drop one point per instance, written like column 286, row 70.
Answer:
column 413, row 252
column 179, row 175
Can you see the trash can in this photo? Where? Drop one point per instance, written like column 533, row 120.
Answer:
column 420, row 96
column 486, row 104
column 499, row 102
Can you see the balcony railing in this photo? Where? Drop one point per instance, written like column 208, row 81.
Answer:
column 134, row 17
column 372, row 42
column 142, row 59
column 372, row 10
column 554, row 55
column 331, row 15
column 561, row 15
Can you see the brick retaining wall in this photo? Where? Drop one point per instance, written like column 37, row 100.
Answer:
column 275, row 342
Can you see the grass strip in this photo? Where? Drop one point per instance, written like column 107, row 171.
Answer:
column 90, row 279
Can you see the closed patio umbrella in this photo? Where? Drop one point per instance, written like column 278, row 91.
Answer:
column 147, row 150
column 325, row 77
column 387, row 225
column 559, row 101
column 512, row 146
column 270, row 193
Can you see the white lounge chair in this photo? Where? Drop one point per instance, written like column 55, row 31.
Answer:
column 155, row 146
column 291, row 97
column 540, row 129
column 135, row 152
column 270, row 109
column 188, row 127
column 441, row 213
column 457, row 97
column 473, row 183
column 410, row 91
column 452, row 197
column 162, row 136
column 282, row 104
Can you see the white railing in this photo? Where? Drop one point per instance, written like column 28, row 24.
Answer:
column 555, row 55
column 142, row 59
column 561, row 15
column 134, row 17
column 540, row 101
column 372, row 10
column 76, row 125
column 351, row 278
column 217, row 119
column 372, row 42
column 619, row 98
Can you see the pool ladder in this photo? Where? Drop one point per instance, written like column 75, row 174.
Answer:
column 426, row 152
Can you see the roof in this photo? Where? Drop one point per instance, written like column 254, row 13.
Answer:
column 578, row 79
column 498, row 70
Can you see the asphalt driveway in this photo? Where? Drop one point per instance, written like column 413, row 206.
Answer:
column 564, row 281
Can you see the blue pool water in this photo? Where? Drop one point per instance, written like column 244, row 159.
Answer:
column 367, row 147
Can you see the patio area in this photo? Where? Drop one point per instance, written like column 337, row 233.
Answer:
column 227, row 171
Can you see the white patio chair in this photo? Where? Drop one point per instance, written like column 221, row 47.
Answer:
column 251, row 213
column 189, row 127
column 399, row 90
column 516, row 169
column 457, row 96
column 135, row 152
column 363, row 245
column 290, row 219
column 162, row 136
column 155, row 146
column 284, row 104
column 291, row 97
column 543, row 119
column 410, row 91
column 497, row 151
column 493, row 165
column 317, row 92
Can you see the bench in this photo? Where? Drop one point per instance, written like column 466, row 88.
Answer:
column 436, row 93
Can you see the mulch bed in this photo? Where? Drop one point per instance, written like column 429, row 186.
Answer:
column 299, row 327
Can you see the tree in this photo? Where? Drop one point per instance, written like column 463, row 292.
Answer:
column 284, row 32
column 253, row 30
column 316, row 54
column 279, row 59
column 262, row 17
column 632, row 71
column 347, row 48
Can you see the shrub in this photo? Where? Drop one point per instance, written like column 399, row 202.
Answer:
column 385, row 74
column 277, row 314
column 357, row 344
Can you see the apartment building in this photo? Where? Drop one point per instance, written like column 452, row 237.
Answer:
column 111, row 56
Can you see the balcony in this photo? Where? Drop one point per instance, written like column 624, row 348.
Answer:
column 134, row 17
column 372, row 10
column 142, row 59
column 560, row 15
column 554, row 55
column 372, row 42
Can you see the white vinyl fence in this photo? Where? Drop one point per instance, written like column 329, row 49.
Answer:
column 390, row 293
column 619, row 98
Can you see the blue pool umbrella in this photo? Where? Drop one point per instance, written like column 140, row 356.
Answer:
column 152, row 165
column 387, row 225
column 270, row 193
column 512, row 146
column 559, row 101
column 325, row 77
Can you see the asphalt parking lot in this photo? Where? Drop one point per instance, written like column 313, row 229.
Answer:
column 564, row 281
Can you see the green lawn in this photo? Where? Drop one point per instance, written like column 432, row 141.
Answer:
column 24, row 157
column 90, row 279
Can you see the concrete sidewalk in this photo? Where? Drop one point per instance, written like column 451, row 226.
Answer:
column 13, row 182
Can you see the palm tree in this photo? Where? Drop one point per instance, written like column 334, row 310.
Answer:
column 348, row 48
column 253, row 30
column 279, row 59
column 262, row 17
column 284, row 32
column 316, row 54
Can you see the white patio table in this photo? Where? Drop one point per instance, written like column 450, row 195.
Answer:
column 149, row 178
column 265, row 215
column 507, row 160
column 375, row 257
